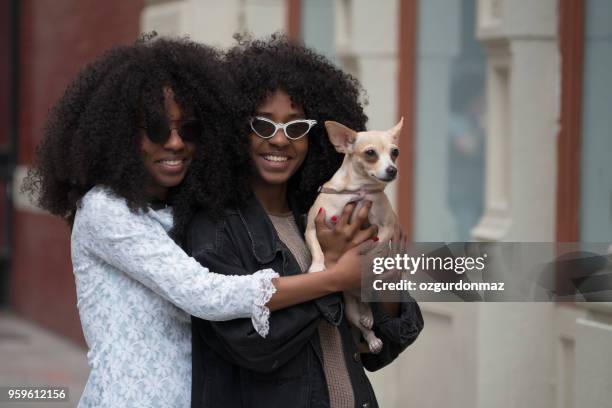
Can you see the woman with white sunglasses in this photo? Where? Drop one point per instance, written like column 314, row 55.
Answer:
column 309, row 358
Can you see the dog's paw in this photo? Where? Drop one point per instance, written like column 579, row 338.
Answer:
column 366, row 321
column 375, row 345
column 316, row 268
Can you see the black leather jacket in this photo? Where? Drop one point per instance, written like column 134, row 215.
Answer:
column 233, row 366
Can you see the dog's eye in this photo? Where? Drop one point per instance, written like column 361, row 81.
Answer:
column 394, row 152
column 370, row 153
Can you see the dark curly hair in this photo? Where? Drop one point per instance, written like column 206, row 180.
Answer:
column 92, row 136
column 260, row 67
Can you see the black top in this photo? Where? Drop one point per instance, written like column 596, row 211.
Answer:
column 233, row 366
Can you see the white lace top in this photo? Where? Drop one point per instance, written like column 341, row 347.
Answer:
column 136, row 289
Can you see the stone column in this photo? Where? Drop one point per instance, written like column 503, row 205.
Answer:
column 523, row 100
column 516, row 353
column 593, row 357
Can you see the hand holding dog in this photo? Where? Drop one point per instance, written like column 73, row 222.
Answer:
column 348, row 231
column 349, row 269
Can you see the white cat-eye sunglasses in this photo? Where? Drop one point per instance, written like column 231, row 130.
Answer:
column 296, row 129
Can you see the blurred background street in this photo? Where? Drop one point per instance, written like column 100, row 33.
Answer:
column 31, row 355
column 507, row 138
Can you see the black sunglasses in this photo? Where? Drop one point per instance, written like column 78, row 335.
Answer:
column 159, row 131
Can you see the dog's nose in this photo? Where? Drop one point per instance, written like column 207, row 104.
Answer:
column 391, row 171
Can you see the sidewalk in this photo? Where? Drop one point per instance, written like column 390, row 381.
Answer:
column 30, row 356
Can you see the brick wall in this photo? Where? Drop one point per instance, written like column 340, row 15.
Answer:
column 4, row 95
column 58, row 37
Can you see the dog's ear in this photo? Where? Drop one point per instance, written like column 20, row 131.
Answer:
column 396, row 130
column 340, row 136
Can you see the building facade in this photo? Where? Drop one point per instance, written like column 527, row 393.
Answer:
column 505, row 99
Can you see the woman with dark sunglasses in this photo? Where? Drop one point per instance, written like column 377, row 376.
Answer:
column 116, row 149
column 309, row 359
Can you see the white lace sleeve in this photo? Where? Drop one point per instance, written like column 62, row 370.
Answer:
column 139, row 246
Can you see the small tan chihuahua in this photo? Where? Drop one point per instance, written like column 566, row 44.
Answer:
column 368, row 166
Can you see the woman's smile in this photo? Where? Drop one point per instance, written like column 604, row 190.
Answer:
column 276, row 160
column 172, row 164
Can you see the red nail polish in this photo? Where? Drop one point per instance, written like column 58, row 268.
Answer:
column 375, row 239
column 334, row 218
column 320, row 209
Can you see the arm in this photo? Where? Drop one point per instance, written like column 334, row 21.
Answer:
column 343, row 275
column 138, row 245
column 397, row 333
column 397, row 324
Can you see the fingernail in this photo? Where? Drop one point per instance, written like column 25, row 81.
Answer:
column 334, row 218
column 320, row 209
column 375, row 239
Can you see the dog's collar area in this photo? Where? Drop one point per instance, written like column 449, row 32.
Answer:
column 361, row 193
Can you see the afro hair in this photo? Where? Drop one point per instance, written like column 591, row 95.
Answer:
column 92, row 136
column 257, row 69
